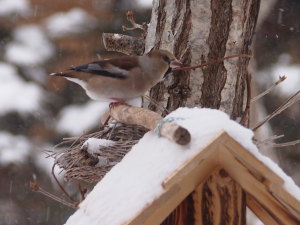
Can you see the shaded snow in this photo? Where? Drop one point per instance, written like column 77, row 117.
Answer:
column 94, row 146
column 75, row 21
column 30, row 46
column 76, row 119
column 282, row 67
column 13, row 149
column 14, row 7
column 17, row 94
column 137, row 179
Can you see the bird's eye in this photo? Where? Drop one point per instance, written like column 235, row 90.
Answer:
column 166, row 58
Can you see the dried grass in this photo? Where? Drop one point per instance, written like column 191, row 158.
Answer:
column 78, row 164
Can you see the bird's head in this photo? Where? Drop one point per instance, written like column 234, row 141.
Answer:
column 166, row 57
column 164, row 60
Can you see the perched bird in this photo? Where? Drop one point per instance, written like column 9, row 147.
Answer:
column 123, row 78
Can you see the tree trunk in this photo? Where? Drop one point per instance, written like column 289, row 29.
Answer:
column 198, row 32
column 202, row 31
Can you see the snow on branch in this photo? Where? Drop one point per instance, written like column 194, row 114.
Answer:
column 123, row 43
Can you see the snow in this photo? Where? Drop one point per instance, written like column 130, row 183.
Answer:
column 144, row 3
column 30, row 46
column 76, row 119
column 17, row 94
column 282, row 67
column 93, row 145
column 11, row 7
column 252, row 218
column 137, row 179
column 75, row 21
column 13, row 149
column 116, row 36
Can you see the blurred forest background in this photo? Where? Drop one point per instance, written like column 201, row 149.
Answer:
column 38, row 37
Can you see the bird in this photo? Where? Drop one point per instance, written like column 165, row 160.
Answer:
column 122, row 78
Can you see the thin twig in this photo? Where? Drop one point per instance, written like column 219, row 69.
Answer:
column 155, row 103
column 292, row 100
column 59, row 184
column 36, row 188
column 212, row 62
column 285, row 144
column 77, row 140
column 269, row 140
column 280, row 80
column 130, row 18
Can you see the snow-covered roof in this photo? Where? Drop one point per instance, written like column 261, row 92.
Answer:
column 147, row 172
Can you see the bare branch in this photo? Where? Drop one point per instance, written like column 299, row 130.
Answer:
column 269, row 141
column 151, row 120
column 130, row 18
column 36, row 188
column 285, row 144
column 123, row 43
column 280, row 80
column 212, row 62
column 292, row 100
column 60, row 186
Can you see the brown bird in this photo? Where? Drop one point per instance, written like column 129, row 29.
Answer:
column 123, row 78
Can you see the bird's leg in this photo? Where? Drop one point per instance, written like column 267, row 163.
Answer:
column 117, row 101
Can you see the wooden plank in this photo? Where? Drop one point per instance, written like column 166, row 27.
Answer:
column 261, row 212
column 179, row 185
column 219, row 200
column 251, row 184
column 269, row 179
column 183, row 214
column 251, row 174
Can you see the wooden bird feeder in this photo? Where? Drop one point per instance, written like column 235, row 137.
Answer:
column 218, row 183
column 217, row 176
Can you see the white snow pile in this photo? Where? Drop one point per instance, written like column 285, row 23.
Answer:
column 137, row 180
column 17, row 94
column 13, row 149
column 282, row 67
column 14, row 7
column 93, row 145
column 76, row 119
column 30, row 46
column 75, row 21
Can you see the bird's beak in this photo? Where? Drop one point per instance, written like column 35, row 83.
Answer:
column 175, row 63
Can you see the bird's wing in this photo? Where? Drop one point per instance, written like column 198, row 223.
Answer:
column 115, row 68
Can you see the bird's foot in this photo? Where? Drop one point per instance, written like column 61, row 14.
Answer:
column 116, row 102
